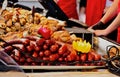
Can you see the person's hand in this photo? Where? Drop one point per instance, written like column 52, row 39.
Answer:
column 98, row 29
column 90, row 29
column 100, row 32
column 97, row 32
column 55, row 1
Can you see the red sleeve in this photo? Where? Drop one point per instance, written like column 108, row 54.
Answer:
column 69, row 8
column 118, row 35
column 119, row 7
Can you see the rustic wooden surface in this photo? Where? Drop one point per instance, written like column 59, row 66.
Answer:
column 12, row 74
column 72, row 74
column 59, row 74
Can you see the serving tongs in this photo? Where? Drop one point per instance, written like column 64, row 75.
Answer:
column 113, row 60
column 7, row 63
column 8, row 67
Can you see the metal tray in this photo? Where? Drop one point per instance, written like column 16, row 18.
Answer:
column 60, row 67
column 102, row 44
column 83, row 33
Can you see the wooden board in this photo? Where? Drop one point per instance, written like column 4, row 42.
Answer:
column 12, row 74
column 72, row 74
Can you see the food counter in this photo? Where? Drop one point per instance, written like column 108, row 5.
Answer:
column 59, row 74
column 72, row 74
column 82, row 53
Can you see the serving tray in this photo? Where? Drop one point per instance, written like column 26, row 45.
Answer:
column 102, row 44
column 61, row 67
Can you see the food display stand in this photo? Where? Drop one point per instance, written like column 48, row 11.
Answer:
column 75, row 71
column 72, row 74
column 101, row 44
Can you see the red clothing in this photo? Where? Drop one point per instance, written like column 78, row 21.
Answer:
column 94, row 11
column 119, row 7
column 118, row 35
column 69, row 8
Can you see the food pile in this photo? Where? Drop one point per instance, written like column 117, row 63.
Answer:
column 18, row 22
column 41, row 41
column 39, row 51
